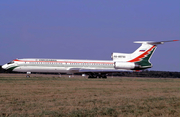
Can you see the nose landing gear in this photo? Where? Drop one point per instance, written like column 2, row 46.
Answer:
column 28, row 75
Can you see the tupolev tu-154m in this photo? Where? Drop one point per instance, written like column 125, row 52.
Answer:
column 138, row 60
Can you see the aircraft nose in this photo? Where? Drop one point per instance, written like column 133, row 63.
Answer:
column 4, row 66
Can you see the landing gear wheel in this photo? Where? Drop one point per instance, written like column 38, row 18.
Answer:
column 92, row 76
column 99, row 76
column 104, row 77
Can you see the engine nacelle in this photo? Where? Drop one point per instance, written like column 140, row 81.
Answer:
column 125, row 65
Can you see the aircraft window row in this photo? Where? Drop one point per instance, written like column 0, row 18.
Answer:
column 45, row 63
column 87, row 64
column 68, row 63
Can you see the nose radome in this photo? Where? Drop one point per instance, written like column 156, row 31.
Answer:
column 4, row 66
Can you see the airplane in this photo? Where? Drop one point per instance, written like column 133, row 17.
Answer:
column 138, row 60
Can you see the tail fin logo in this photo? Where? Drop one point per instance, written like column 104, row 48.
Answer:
column 142, row 50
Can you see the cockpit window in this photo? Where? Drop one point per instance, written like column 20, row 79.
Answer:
column 11, row 62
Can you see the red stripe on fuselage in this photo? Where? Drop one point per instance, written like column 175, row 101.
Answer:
column 65, row 62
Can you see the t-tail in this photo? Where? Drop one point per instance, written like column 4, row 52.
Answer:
column 141, row 57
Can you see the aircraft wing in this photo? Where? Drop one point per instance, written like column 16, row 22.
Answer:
column 82, row 70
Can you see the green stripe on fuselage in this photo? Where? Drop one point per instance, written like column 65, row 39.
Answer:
column 12, row 68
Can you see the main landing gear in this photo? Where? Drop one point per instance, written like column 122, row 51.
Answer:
column 97, row 75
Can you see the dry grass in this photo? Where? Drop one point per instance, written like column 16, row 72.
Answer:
column 52, row 96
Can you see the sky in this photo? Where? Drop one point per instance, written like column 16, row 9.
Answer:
column 89, row 29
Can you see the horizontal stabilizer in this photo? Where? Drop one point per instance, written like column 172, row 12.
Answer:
column 154, row 42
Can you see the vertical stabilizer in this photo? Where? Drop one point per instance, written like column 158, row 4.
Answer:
column 143, row 54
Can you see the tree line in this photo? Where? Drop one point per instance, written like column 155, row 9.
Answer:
column 144, row 73
column 151, row 74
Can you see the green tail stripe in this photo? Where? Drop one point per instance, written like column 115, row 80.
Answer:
column 145, row 61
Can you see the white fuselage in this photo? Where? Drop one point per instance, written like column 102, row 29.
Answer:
column 56, row 65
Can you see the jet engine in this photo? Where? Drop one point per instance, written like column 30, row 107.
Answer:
column 125, row 65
